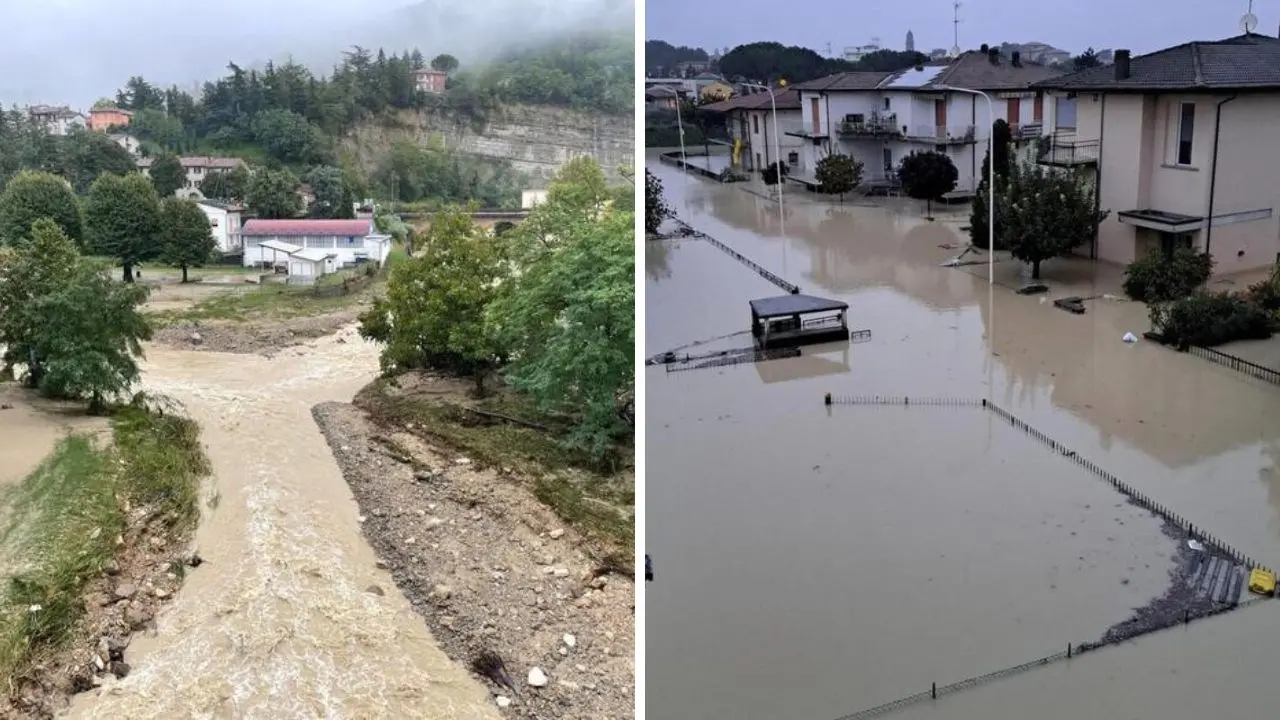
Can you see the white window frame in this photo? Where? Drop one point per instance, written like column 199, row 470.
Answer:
column 1176, row 139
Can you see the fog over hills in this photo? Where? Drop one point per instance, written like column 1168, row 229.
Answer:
column 75, row 51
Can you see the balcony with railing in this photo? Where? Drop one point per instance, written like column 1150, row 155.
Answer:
column 1067, row 151
column 944, row 134
column 1026, row 131
column 874, row 125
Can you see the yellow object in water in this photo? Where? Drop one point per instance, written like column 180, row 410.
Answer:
column 1262, row 582
column 737, row 151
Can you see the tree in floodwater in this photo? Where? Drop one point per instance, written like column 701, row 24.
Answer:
column 928, row 176
column 1045, row 214
column 655, row 206
column 838, row 174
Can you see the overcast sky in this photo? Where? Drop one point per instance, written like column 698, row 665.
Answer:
column 1140, row 25
column 74, row 51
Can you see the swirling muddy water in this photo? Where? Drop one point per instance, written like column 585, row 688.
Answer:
column 283, row 619
column 812, row 562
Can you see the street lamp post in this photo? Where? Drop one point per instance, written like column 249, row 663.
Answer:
column 991, row 179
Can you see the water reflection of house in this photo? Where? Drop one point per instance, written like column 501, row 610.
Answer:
column 1173, row 407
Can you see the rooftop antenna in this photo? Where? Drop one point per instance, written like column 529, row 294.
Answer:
column 1249, row 22
column 955, row 28
column 829, row 49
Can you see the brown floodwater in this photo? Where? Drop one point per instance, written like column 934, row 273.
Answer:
column 813, row 561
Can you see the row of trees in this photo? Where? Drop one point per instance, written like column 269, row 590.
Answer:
column 79, row 156
column 550, row 304
column 121, row 217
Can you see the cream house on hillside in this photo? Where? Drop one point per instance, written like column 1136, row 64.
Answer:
column 1184, row 147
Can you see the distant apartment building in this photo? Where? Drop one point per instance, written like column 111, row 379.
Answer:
column 56, row 120
column 102, row 118
column 198, row 168
column 750, row 122
column 857, row 52
column 430, row 81
column 224, row 222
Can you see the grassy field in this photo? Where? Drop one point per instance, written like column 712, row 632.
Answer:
column 595, row 499
column 61, row 523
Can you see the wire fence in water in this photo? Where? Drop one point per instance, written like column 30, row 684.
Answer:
column 1238, row 364
column 688, row 230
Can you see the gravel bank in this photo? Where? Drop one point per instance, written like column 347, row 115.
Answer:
column 491, row 570
column 255, row 337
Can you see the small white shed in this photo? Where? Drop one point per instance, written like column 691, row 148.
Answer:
column 311, row 263
column 280, row 251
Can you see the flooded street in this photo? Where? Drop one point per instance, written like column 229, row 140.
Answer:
column 812, row 562
column 288, row 617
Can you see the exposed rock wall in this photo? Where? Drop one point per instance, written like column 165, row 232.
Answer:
column 536, row 140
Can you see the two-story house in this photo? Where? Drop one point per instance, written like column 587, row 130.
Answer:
column 750, row 122
column 430, row 81
column 880, row 117
column 102, row 118
column 56, row 120
column 224, row 221
column 198, row 168
column 1183, row 144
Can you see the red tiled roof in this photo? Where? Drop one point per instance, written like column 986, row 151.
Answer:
column 295, row 228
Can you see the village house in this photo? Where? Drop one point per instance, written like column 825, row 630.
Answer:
column 56, row 120
column 102, row 118
column 430, row 81
column 198, row 168
column 128, row 142
column 1182, row 145
column 224, row 221
column 661, row 97
column 880, row 117
column 311, row 248
column 750, row 122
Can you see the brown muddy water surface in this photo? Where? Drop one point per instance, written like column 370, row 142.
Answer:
column 813, row 562
column 280, row 621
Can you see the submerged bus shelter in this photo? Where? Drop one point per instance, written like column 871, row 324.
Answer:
column 794, row 320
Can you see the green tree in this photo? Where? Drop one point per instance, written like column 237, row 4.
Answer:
column 1045, row 214
column 568, row 315
column 89, row 336
column 168, row 175
column 186, row 239
column 434, row 310
column 580, row 184
column 32, row 195
column 838, row 174
column 655, row 206
column 928, row 176
column 226, row 185
column 122, row 216
column 274, row 194
column 1085, row 60
column 288, row 136
column 157, row 127
column 87, row 155
column 1160, row 278
column 35, row 266
column 1001, row 139
column 444, row 62
column 775, row 173
column 330, row 189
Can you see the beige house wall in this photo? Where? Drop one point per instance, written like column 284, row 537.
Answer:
column 1139, row 171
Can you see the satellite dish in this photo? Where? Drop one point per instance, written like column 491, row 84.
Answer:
column 1248, row 23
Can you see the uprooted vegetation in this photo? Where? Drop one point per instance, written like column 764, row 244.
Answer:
column 88, row 548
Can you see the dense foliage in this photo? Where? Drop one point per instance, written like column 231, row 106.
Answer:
column 1045, row 214
column 655, row 205
column 770, row 61
column 77, row 331
column 79, row 156
column 775, row 173
column 185, row 239
column 31, row 196
column 1162, row 278
column 274, row 194
column 589, row 72
column 167, row 174
column 550, row 303
column 662, row 59
column 928, row 176
column 122, row 218
column 979, row 232
column 838, row 174
column 410, row 172
column 1210, row 318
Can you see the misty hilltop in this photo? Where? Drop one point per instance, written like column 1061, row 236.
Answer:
column 75, row 51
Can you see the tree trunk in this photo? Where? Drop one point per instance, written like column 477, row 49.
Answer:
column 1035, row 269
column 127, row 274
column 184, row 272
column 479, row 377
column 96, row 406
column 928, row 208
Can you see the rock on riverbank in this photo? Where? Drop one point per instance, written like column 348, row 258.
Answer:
column 492, row 571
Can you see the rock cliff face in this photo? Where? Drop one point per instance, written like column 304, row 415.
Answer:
column 536, row 140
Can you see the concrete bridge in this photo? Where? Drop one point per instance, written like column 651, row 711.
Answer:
column 487, row 219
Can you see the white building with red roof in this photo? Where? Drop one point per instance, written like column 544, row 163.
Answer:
column 317, row 246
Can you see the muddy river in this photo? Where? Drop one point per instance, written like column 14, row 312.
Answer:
column 284, row 619
column 813, row 561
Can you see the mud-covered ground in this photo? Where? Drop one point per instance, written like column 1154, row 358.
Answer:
column 265, row 337
column 492, row 570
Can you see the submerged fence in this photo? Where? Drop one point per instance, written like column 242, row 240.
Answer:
column 692, row 232
column 1238, row 364
column 731, row 358
column 1170, row 620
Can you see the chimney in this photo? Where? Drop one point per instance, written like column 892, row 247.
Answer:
column 993, row 55
column 1122, row 64
column 1016, row 58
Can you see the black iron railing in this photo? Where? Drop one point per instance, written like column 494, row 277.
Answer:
column 1057, row 150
